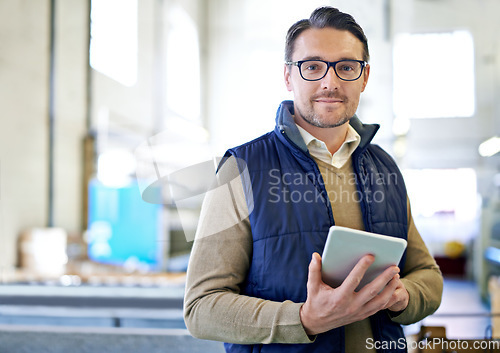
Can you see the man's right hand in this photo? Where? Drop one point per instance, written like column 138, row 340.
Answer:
column 327, row 308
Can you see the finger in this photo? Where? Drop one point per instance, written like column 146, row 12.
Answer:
column 379, row 284
column 314, row 279
column 356, row 275
column 400, row 298
column 387, row 276
column 383, row 298
column 395, row 301
column 389, row 292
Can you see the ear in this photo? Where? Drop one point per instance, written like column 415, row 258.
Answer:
column 288, row 79
column 366, row 73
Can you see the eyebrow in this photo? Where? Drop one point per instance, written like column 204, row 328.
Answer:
column 320, row 58
column 313, row 58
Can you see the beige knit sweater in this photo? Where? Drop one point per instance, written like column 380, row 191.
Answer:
column 221, row 255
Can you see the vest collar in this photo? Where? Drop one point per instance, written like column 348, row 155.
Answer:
column 286, row 125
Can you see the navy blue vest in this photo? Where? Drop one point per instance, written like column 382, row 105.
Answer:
column 292, row 215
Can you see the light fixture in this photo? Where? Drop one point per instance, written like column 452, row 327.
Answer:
column 490, row 147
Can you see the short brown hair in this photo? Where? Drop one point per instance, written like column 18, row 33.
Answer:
column 326, row 17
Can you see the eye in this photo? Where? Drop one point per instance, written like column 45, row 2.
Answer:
column 311, row 67
column 346, row 67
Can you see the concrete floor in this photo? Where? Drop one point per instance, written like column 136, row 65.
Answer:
column 100, row 319
column 45, row 339
column 462, row 312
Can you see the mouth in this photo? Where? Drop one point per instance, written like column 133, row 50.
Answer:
column 328, row 100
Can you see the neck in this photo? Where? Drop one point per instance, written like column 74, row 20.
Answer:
column 333, row 137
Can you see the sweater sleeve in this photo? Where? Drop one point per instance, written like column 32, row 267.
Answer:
column 421, row 277
column 222, row 251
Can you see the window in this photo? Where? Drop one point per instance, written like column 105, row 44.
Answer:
column 113, row 43
column 444, row 203
column 434, row 75
column 182, row 79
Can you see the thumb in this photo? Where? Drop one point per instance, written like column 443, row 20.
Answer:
column 314, row 279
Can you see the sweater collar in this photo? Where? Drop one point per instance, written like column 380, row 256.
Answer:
column 286, row 125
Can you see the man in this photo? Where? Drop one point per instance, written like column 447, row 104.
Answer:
column 257, row 283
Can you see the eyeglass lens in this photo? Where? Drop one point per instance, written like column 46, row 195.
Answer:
column 346, row 70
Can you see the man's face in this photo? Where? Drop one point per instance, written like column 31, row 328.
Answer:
column 329, row 102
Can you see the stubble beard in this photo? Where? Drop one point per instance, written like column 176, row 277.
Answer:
column 315, row 119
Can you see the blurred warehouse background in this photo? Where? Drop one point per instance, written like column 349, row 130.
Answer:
column 109, row 106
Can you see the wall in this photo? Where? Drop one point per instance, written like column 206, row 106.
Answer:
column 23, row 152
column 120, row 111
column 133, row 113
column 453, row 142
column 24, row 74
column 70, row 112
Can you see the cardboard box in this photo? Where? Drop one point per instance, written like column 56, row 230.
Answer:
column 494, row 291
column 42, row 251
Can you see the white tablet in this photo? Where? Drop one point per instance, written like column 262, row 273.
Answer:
column 345, row 247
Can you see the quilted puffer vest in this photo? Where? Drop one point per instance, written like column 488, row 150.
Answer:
column 292, row 215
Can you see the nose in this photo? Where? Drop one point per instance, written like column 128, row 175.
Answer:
column 331, row 80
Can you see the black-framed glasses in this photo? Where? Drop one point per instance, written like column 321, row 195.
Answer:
column 314, row 70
